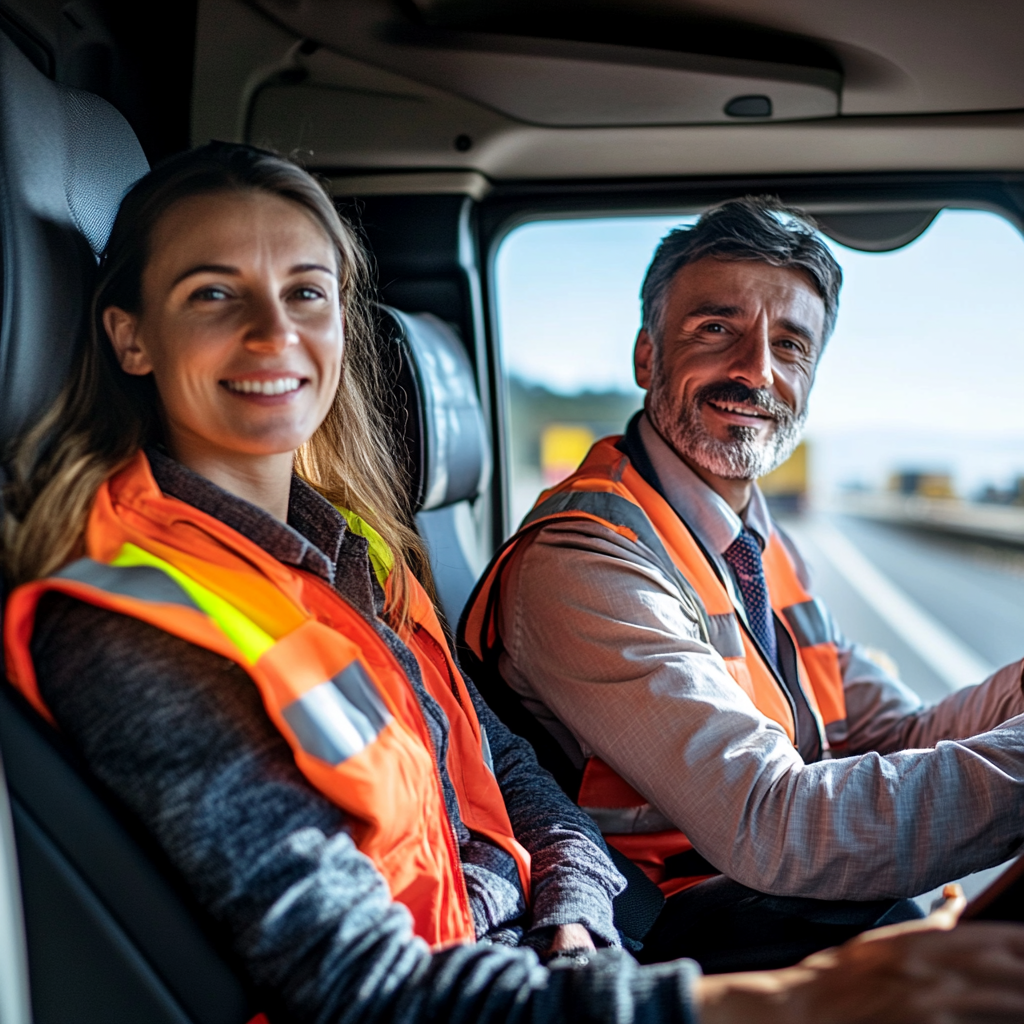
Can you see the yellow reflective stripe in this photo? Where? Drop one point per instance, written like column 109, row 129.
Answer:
column 252, row 641
column 381, row 557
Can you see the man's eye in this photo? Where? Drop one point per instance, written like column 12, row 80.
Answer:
column 714, row 328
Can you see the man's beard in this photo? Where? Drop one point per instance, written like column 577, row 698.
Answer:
column 743, row 456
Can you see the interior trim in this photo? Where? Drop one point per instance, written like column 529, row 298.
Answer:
column 421, row 183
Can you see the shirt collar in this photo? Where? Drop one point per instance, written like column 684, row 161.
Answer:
column 311, row 539
column 705, row 511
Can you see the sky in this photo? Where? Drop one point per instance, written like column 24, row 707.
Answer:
column 925, row 369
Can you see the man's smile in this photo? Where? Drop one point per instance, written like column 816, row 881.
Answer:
column 739, row 412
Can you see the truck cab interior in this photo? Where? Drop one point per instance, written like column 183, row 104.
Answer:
column 441, row 126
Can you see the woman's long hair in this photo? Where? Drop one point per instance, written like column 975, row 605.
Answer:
column 104, row 415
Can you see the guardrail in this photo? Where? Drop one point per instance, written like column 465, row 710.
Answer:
column 1002, row 523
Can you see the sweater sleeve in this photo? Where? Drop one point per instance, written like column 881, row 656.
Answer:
column 574, row 880
column 180, row 737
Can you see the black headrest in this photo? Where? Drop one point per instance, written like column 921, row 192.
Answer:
column 66, row 160
column 449, row 449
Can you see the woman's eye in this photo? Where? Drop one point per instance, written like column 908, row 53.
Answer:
column 211, row 293
column 307, row 294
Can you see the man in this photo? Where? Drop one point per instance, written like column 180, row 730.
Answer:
column 780, row 787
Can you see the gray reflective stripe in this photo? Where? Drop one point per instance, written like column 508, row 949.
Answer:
column 725, row 635
column 142, row 582
column 629, row 820
column 337, row 719
column 357, row 688
column 619, row 511
column 810, row 623
column 485, row 744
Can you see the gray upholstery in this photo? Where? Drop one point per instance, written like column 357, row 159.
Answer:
column 448, row 446
column 66, row 159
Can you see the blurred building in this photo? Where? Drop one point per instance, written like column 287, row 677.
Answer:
column 922, row 484
column 563, row 446
column 1013, row 495
column 787, row 487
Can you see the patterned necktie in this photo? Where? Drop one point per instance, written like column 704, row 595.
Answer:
column 744, row 557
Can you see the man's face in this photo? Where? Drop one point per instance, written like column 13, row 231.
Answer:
column 728, row 381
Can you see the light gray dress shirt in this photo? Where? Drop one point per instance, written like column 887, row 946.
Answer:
column 603, row 649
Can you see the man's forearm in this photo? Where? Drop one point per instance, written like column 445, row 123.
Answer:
column 883, row 715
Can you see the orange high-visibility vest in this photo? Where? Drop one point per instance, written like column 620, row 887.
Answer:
column 328, row 682
column 609, row 490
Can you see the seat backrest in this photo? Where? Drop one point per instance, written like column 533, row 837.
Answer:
column 66, row 159
column 448, row 444
column 111, row 934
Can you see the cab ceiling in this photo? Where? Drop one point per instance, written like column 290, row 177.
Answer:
column 524, row 89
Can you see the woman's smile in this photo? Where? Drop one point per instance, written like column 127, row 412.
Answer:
column 266, row 388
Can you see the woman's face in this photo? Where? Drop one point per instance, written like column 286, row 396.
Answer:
column 241, row 325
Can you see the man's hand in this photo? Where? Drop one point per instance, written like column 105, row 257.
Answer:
column 571, row 936
column 919, row 972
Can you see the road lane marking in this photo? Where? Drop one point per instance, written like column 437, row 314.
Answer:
column 951, row 659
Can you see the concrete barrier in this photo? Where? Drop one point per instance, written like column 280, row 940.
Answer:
column 1001, row 523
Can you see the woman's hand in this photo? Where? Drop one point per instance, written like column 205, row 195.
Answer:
column 571, row 936
column 919, row 972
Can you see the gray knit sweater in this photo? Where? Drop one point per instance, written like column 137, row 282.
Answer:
column 180, row 736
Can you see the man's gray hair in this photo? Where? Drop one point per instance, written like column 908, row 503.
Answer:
column 757, row 229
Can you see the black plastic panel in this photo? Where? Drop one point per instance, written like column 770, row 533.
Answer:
column 119, row 872
column 82, row 968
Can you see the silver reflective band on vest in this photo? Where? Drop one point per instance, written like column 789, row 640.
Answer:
column 141, row 582
column 337, row 719
column 810, row 623
column 619, row 511
column 485, row 745
column 725, row 636
column 626, row 820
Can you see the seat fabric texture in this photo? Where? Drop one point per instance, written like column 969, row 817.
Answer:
column 448, row 450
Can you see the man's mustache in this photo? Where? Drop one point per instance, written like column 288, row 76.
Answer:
column 734, row 391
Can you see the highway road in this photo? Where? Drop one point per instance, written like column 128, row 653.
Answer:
column 946, row 611
column 888, row 586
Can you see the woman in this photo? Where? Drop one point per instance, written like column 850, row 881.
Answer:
column 219, row 607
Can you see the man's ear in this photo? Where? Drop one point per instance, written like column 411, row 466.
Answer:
column 643, row 359
column 123, row 330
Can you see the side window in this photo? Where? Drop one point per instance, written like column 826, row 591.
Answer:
column 568, row 313
column 907, row 496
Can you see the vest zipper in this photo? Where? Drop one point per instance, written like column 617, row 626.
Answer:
column 449, row 831
column 448, row 668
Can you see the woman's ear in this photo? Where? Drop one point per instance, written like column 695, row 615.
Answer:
column 123, row 330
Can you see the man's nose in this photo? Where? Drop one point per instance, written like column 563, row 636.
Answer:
column 270, row 327
column 752, row 357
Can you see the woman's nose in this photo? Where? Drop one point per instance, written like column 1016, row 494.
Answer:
column 270, row 326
